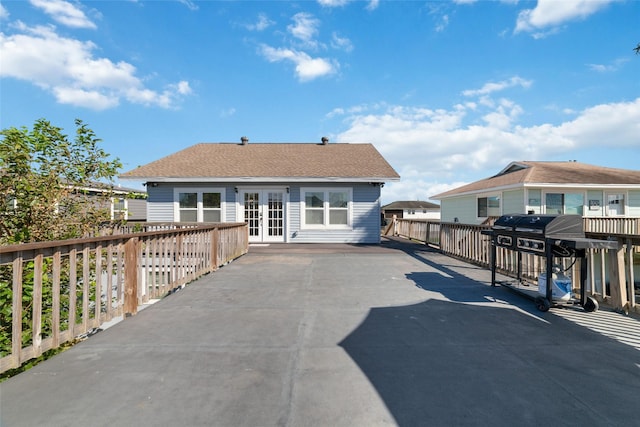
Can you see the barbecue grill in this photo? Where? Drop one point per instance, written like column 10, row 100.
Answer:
column 550, row 236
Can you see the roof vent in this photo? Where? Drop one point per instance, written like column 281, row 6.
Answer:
column 325, row 140
column 244, row 140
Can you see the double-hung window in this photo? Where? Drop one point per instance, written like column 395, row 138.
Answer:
column 118, row 208
column 326, row 208
column 198, row 205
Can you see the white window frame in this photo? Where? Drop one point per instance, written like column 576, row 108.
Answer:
column 125, row 210
column 624, row 195
column 489, row 196
column 326, row 208
column 199, row 206
column 563, row 193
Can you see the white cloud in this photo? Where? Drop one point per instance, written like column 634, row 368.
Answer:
column 608, row 68
column 4, row 13
column 64, row 13
column 262, row 24
column 190, row 4
column 491, row 87
column 443, row 24
column 341, row 43
column 304, row 31
column 305, row 27
column 436, row 146
column 84, row 98
column 68, row 69
column 373, row 5
column 227, row 113
column 333, row 3
column 552, row 13
column 307, row 68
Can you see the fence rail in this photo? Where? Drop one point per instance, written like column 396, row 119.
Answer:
column 58, row 291
column 606, row 269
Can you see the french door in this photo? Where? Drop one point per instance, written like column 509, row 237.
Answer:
column 264, row 212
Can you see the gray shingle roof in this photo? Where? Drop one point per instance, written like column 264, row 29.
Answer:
column 541, row 173
column 227, row 161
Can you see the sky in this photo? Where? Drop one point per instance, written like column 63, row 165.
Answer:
column 449, row 92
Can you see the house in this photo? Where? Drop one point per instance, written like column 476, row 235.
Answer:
column 412, row 209
column 127, row 204
column 285, row 192
column 545, row 188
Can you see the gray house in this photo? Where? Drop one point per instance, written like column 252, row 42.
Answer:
column 127, row 204
column 293, row 193
column 545, row 188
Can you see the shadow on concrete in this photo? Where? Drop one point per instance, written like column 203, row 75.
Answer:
column 465, row 357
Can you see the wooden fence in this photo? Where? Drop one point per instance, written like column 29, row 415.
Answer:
column 610, row 273
column 53, row 292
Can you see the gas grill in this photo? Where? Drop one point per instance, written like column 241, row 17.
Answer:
column 550, row 236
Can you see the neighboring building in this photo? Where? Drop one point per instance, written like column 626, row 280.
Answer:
column 412, row 209
column 285, row 192
column 545, row 188
column 126, row 204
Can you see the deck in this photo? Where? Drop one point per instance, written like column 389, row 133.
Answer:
column 341, row 335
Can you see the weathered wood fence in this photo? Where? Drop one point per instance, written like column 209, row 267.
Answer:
column 611, row 277
column 53, row 292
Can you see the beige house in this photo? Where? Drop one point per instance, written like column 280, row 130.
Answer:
column 298, row 192
column 412, row 209
column 545, row 188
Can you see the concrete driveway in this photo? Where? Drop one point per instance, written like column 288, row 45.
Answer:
column 341, row 335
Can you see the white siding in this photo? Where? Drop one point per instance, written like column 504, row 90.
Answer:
column 462, row 208
column 634, row 203
column 418, row 213
column 512, row 202
column 597, row 197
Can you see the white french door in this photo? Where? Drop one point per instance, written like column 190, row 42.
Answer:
column 264, row 212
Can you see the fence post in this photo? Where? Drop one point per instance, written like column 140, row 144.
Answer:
column 215, row 237
column 618, row 289
column 131, row 277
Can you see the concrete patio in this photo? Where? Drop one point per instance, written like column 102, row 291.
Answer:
column 341, row 335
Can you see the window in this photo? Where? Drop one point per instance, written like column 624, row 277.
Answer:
column 564, row 203
column 488, row 206
column 326, row 208
column 198, row 205
column 211, row 207
column 119, row 208
column 615, row 204
column 573, row 203
column 338, row 208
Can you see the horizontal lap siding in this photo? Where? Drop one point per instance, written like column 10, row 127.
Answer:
column 160, row 200
column 513, row 202
column 365, row 211
column 160, row 203
column 137, row 209
column 365, row 218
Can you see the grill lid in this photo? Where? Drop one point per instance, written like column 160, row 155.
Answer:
column 541, row 225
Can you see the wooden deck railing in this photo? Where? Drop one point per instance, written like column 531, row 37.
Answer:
column 53, row 292
column 468, row 243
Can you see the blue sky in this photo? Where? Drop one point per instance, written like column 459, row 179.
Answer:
column 448, row 91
